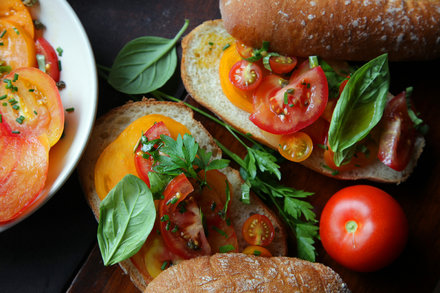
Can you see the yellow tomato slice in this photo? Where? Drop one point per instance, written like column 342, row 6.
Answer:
column 31, row 104
column 18, row 48
column 257, row 250
column 239, row 98
column 296, row 147
column 16, row 12
column 117, row 159
column 24, row 162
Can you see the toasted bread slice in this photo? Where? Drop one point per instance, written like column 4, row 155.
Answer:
column 236, row 272
column 202, row 49
column 109, row 126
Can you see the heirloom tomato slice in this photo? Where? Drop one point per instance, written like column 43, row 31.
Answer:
column 286, row 108
column 24, row 162
column 14, row 11
column 44, row 48
column 33, row 104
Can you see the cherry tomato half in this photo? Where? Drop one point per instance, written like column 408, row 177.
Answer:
column 244, row 51
column 50, row 56
column 363, row 228
column 257, row 251
column 181, row 220
column 282, row 64
column 296, row 147
column 397, row 138
column 294, row 106
column 258, row 230
column 245, row 75
column 142, row 160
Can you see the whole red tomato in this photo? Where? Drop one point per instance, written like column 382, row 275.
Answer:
column 363, row 228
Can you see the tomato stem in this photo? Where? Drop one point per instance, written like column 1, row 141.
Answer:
column 351, row 226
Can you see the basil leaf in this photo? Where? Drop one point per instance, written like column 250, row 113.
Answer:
column 145, row 64
column 127, row 216
column 158, row 183
column 360, row 106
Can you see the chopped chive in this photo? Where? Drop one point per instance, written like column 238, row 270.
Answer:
column 164, row 265
column 15, row 132
column 12, row 101
column 226, row 46
column 60, row 51
column 173, row 200
column 257, row 253
column 226, row 248
column 211, row 43
column 16, row 107
column 15, row 77
column 167, row 226
column 5, row 104
column 2, row 44
column 35, row 112
column 2, row 34
column 32, row 90
column 1, row 118
column 286, row 98
column 164, row 218
column 175, row 229
column 221, row 232
column 70, row 109
column 16, row 31
column 313, row 61
column 3, row 97
column 59, row 65
column 20, row 119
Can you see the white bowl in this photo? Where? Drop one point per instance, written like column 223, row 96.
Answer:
column 63, row 29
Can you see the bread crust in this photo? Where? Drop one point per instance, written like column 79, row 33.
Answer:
column 110, row 125
column 245, row 273
column 338, row 29
column 203, row 84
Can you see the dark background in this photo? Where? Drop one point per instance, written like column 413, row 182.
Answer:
column 45, row 252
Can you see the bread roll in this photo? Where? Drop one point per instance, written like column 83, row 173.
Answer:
column 235, row 272
column 338, row 29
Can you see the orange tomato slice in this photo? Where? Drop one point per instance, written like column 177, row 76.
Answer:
column 16, row 12
column 31, row 104
column 117, row 159
column 18, row 48
column 296, row 147
column 24, row 162
column 241, row 99
column 257, row 251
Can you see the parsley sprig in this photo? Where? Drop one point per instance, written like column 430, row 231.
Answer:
column 261, row 173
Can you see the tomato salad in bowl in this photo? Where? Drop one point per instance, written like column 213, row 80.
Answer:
column 310, row 102
column 36, row 154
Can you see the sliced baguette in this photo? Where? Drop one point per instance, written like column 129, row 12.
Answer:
column 109, row 126
column 202, row 49
column 235, row 272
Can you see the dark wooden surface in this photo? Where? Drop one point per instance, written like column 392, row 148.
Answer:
column 55, row 249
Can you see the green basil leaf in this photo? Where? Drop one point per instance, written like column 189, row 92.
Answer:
column 360, row 106
column 127, row 216
column 158, row 183
column 145, row 64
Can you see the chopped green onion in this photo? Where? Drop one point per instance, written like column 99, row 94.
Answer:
column 41, row 62
column 70, row 109
column 16, row 31
column 3, row 97
column 2, row 34
column 164, row 218
column 257, row 252
column 20, row 119
column 226, row 46
column 221, row 232
column 226, row 248
column 164, row 265
column 313, row 61
column 15, row 77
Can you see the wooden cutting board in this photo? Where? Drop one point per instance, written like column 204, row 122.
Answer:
column 416, row 270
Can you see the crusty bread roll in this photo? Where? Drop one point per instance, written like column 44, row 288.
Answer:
column 236, row 272
column 109, row 126
column 338, row 29
column 202, row 49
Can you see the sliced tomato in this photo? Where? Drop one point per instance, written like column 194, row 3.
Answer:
column 296, row 147
column 17, row 48
column 33, row 104
column 258, row 230
column 154, row 257
column 398, row 135
column 282, row 64
column 181, row 220
column 292, row 107
column 24, row 162
column 257, row 251
column 44, row 48
column 318, row 131
column 212, row 201
column 17, row 13
column 245, row 75
column 244, row 51
column 142, row 159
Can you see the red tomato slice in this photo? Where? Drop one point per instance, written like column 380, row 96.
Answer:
column 363, row 228
column 282, row 64
column 212, row 200
column 44, row 48
column 181, row 221
column 244, row 51
column 245, row 76
column 258, row 230
column 397, row 139
column 33, row 104
column 318, row 131
column 294, row 106
column 142, row 160
column 24, row 163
